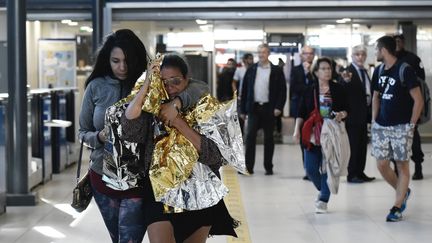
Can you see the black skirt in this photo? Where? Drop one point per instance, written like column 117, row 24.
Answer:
column 186, row 223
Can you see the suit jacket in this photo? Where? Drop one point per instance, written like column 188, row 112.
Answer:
column 356, row 98
column 298, row 82
column 277, row 89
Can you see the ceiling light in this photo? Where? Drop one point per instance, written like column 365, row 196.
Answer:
column 329, row 26
column 346, row 19
column 289, row 43
column 86, row 28
column 207, row 27
column 356, row 25
column 66, row 21
column 201, row 21
column 340, row 21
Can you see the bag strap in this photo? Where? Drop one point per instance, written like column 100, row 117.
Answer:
column 401, row 72
column 79, row 162
column 315, row 98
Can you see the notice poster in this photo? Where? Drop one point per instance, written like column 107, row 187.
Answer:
column 57, row 63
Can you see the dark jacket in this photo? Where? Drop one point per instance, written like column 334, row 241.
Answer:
column 337, row 93
column 356, row 98
column 298, row 81
column 414, row 61
column 277, row 89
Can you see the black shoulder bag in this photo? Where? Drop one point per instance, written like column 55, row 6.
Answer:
column 82, row 193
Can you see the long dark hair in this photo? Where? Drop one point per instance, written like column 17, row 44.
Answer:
column 135, row 55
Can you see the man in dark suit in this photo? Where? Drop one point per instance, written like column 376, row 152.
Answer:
column 263, row 98
column 301, row 78
column 415, row 62
column 358, row 88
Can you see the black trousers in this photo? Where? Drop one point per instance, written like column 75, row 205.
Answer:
column 417, row 153
column 357, row 135
column 261, row 117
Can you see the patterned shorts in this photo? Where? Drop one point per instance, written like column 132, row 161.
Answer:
column 392, row 142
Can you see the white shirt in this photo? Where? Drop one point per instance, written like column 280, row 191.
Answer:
column 239, row 75
column 262, row 80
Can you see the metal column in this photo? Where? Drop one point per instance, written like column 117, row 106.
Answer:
column 97, row 18
column 409, row 30
column 17, row 135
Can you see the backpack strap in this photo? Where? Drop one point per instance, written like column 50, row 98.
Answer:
column 402, row 68
column 380, row 70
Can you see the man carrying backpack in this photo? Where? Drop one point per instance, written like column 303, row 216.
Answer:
column 397, row 103
column 415, row 62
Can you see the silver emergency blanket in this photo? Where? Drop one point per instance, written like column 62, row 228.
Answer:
column 223, row 128
column 201, row 190
column 122, row 169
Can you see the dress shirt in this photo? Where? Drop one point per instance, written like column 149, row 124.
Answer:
column 262, row 80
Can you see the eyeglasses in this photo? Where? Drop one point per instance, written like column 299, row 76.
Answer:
column 173, row 81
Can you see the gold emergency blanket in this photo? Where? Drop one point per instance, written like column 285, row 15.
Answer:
column 176, row 177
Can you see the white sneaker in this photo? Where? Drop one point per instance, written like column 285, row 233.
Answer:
column 320, row 207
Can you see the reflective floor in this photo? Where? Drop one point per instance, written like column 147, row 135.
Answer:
column 278, row 208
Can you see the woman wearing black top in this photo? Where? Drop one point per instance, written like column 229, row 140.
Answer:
column 331, row 103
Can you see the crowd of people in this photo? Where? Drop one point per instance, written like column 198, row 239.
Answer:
column 391, row 101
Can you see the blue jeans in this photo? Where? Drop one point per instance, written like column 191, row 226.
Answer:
column 313, row 163
column 124, row 218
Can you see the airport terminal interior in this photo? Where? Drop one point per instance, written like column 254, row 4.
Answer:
column 61, row 38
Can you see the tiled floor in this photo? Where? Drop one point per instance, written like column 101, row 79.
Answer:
column 279, row 208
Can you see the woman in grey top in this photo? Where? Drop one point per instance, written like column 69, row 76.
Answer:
column 119, row 63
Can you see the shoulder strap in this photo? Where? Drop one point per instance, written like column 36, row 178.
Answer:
column 381, row 69
column 401, row 72
column 79, row 161
column 315, row 98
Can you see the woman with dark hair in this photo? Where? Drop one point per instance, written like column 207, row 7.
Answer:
column 189, row 226
column 120, row 61
column 330, row 99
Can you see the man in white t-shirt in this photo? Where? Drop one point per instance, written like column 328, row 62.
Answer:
column 240, row 72
column 237, row 81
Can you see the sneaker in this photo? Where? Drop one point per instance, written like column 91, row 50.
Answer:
column 395, row 215
column 404, row 203
column 320, row 207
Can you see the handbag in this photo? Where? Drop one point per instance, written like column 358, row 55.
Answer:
column 82, row 193
column 312, row 127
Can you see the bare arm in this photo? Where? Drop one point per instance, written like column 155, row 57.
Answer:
column 418, row 104
column 375, row 105
column 234, row 85
column 135, row 106
column 298, row 124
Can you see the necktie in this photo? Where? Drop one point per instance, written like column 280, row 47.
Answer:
column 363, row 77
column 365, row 87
